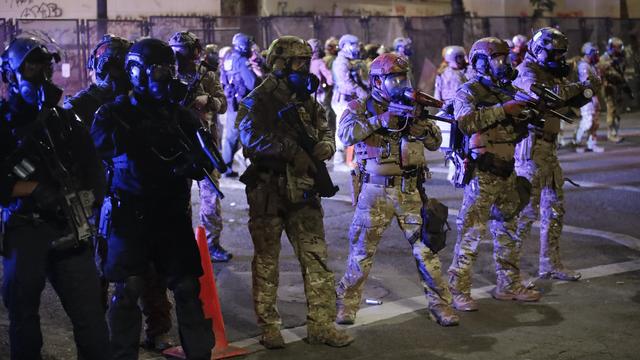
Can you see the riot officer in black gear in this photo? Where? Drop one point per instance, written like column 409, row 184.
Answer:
column 147, row 137
column 50, row 177
column 106, row 61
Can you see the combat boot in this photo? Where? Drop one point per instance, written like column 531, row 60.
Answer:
column 561, row 274
column 345, row 317
column 272, row 338
column 157, row 343
column 519, row 293
column 443, row 315
column 464, row 302
column 327, row 334
column 219, row 254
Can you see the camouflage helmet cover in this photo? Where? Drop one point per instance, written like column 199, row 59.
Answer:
column 388, row 63
column 488, row 46
column 110, row 48
column 286, row 47
column 615, row 42
column 185, row 39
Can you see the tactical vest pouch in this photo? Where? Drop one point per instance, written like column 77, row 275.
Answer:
column 498, row 167
column 434, row 225
column 411, row 153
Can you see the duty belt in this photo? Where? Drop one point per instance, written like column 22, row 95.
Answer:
column 388, row 181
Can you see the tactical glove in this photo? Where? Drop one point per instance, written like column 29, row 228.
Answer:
column 323, row 150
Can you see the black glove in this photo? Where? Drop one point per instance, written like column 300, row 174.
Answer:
column 47, row 197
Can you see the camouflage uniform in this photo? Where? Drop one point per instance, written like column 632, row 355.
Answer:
column 344, row 90
column 537, row 160
column 613, row 78
column 210, row 208
column 277, row 202
column 490, row 200
column 589, row 121
column 448, row 81
column 388, row 192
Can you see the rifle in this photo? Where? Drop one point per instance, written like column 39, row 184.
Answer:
column 192, row 87
column 77, row 204
column 414, row 103
column 356, row 75
column 323, row 184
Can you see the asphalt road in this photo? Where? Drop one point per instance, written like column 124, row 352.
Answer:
column 595, row 318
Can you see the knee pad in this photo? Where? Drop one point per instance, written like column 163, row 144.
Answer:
column 184, row 288
column 128, row 292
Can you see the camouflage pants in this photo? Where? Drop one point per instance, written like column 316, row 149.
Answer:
column 489, row 204
column 270, row 215
column 546, row 201
column 589, row 123
column 377, row 206
column 613, row 118
column 210, row 213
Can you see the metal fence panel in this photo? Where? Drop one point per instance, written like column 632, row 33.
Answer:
column 429, row 36
column 302, row 26
column 224, row 27
column 63, row 36
column 162, row 27
column 337, row 26
column 383, row 30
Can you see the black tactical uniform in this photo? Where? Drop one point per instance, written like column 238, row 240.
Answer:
column 32, row 147
column 141, row 136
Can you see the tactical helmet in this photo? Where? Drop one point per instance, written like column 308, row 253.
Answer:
column 371, row 50
column 331, row 45
column 615, row 43
column 315, row 45
column 285, row 48
column 401, row 41
column 185, row 39
column 488, row 47
column 519, row 40
column 350, row 46
column 388, row 77
column 452, row 52
column 18, row 50
column 150, row 65
column 111, row 49
column 388, row 63
column 242, row 44
column 547, row 45
column 211, row 55
column 588, row 48
column 149, row 51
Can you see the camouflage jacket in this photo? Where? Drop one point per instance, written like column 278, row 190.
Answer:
column 209, row 85
column 448, row 81
column 266, row 139
column 344, row 83
column 612, row 74
column 359, row 127
column 479, row 114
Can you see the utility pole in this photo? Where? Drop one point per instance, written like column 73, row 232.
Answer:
column 102, row 17
column 457, row 22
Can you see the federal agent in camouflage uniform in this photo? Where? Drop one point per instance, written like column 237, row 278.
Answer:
column 391, row 165
column 347, row 86
column 589, row 122
column 536, row 156
column 452, row 74
column 209, row 99
column 280, row 191
column 613, row 66
column 488, row 116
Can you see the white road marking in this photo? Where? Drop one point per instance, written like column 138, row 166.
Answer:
column 596, row 185
column 392, row 309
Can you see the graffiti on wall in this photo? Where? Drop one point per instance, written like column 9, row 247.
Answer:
column 32, row 9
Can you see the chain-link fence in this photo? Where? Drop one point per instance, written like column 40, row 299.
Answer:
column 75, row 38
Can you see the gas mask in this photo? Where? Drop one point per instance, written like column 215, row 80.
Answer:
column 301, row 82
column 155, row 81
column 498, row 68
column 461, row 61
column 352, row 50
column 34, row 84
column 391, row 88
column 555, row 62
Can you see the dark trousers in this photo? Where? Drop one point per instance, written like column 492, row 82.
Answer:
column 27, row 264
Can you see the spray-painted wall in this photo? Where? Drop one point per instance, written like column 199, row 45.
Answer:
column 47, row 9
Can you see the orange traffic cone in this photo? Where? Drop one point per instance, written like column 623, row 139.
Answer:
column 210, row 307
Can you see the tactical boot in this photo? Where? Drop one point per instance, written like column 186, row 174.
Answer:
column 519, row 293
column 327, row 334
column 614, row 138
column 345, row 317
column 443, row 315
column 464, row 302
column 219, row 254
column 272, row 338
column 561, row 274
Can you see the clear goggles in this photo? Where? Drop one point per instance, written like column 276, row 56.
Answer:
column 396, row 84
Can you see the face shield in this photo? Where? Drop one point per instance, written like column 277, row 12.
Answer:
column 34, row 80
column 395, row 84
column 500, row 65
column 299, row 80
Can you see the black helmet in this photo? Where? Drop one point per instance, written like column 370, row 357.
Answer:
column 111, row 49
column 17, row 52
column 150, row 65
column 149, row 51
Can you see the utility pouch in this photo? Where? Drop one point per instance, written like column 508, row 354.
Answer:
column 434, row 224
column 356, row 185
column 411, row 153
